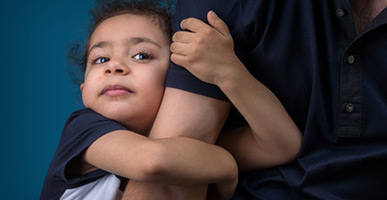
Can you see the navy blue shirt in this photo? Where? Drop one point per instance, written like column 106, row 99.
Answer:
column 331, row 80
column 82, row 128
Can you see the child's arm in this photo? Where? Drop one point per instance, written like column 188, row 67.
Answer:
column 208, row 52
column 248, row 154
column 171, row 161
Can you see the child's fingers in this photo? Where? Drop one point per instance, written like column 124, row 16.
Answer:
column 183, row 36
column 193, row 24
column 217, row 23
column 179, row 59
column 179, row 48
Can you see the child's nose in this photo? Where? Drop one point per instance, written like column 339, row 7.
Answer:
column 117, row 68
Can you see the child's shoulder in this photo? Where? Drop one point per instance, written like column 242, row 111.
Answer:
column 87, row 120
column 83, row 115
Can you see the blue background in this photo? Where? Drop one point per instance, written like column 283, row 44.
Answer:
column 37, row 94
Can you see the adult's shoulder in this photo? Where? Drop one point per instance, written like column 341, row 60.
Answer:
column 243, row 17
column 225, row 9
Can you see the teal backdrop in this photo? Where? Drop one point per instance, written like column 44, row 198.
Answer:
column 37, row 94
column 36, row 91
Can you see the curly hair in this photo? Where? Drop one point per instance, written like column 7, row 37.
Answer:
column 159, row 11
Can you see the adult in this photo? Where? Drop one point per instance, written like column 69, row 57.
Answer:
column 326, row 63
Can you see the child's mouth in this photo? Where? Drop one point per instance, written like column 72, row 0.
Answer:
column 116, row 90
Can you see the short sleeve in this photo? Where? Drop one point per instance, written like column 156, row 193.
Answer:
column 178, row 77
column 82, row 128
column 242, row 26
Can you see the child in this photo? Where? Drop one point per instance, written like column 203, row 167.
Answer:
column 126, row 61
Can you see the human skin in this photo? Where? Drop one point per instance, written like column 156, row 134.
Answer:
column 207, row 51
column 124, row 81
column 125, row 72
column 182, row 112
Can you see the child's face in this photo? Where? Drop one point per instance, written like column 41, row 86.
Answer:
column 126, row 69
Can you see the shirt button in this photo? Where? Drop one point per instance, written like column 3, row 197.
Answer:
column 350, row 107
column 351, row 59
column 340, row 12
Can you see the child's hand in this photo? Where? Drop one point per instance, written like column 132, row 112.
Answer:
column 207, row 51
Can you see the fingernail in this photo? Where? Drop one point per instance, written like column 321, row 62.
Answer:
column 181, row 24
column 213, row 14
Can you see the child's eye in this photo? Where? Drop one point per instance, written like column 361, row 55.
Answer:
column 142, row 56
column 101, row 60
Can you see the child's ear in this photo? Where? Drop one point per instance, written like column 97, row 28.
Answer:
column 81, row 87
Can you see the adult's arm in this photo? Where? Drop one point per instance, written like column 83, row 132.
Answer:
column 191, row 115
column 207, row 51
column 187, row 114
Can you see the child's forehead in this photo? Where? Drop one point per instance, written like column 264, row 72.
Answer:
column 126, row 19
column 128, row 25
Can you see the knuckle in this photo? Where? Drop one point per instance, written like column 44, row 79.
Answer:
column 189, row 61
column 199, row 41
column 194, row 54
column 208, row 31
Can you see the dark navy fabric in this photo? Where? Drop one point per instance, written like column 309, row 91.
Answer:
column 331, row 80
column 82, row 128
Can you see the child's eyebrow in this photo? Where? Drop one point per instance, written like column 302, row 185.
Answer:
column 130, row 41
column 101, row 44
column 137, row 40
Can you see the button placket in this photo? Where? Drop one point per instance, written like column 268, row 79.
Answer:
column 350, row 95
column 350, row 74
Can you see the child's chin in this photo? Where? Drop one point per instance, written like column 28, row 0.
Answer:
column 116, row 114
